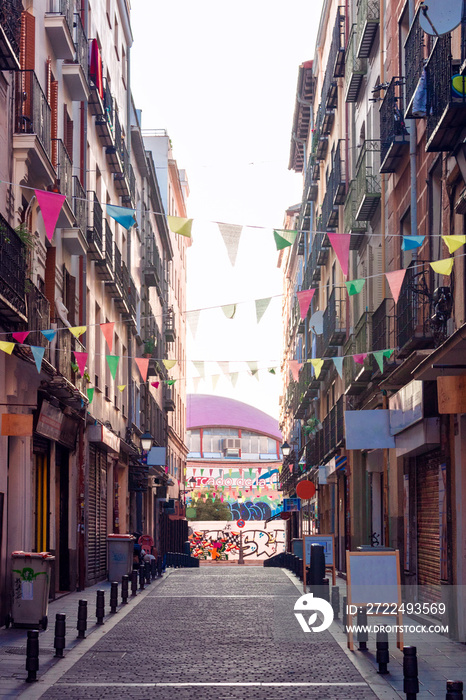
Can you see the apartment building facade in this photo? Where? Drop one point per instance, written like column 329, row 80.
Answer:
column 71, row 463
column 378, row 135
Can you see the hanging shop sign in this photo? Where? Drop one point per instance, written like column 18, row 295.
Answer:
column 100, row 434
column 406, row 407
column 50, row 421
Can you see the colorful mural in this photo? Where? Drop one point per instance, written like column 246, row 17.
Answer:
column 219, row 541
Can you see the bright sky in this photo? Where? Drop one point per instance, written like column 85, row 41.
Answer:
column 221, row 78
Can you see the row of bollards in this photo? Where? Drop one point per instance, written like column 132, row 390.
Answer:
column 145, row 574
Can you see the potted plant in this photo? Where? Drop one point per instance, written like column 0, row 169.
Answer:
column 149, row 347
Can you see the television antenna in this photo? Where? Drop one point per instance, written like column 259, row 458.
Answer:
column 438, row 17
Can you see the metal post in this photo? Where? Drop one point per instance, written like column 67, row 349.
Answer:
column 240, row 559
column 345, row 599
column 113, row 597
column 153, row 568
column 382, row 655
column 141, row 577
column 454, row 690
column 410, row 679
column 363, row 635
column 134, row 583
column 60, row 632
column 124, row 588
column 336, row 601
column 82, row 619
column 100, row 607
column 32, row 655
column 147, row 572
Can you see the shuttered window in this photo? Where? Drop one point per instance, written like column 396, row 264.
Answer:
column 68, row 133
column 50, row 262
column 428, row 531
column 54, row 120
column 97, row 516
column 27, row 45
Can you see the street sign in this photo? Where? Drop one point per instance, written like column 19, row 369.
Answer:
column 291, row 505
column 240, row 523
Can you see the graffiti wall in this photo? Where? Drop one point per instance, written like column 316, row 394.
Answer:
column 220, row 540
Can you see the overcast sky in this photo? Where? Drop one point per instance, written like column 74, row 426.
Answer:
column 221, row 78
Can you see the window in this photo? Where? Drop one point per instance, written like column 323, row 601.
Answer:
column 109, row 13
column 115, row 38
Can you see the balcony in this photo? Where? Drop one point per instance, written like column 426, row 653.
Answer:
column 368, row 181
column 12, row 274
column 307, row 389
column 337, row 49
column 79, row 205
column 115, row 283
column 105, row 266
column 363, row 344
column 383, row 326
column 415, row 54
column 413, row 313
column 169, row 329
column 75, row 72
column 95, row 228
column 336, row 191
column 334, row 322
column 324, row 444
column 10, row 29
column 32, row 139
column 64, row 168
column 58, row 23
column 355, row 69
column 367, row 22
column 168, row 400
column 114, row 149
column 103, row 110
column 446, row 106
column 394, row 136
column 38, row 312
column 132, row 303
column 351, row 225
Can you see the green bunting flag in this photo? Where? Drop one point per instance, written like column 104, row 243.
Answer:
column 112, row 361
column 283, row 238
column 379, row 357
column 261, row 307
column 355, row 286
column 90, row 394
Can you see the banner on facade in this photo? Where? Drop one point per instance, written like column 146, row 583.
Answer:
column 367, row 430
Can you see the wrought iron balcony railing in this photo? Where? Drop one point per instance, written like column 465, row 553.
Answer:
column 355, row 68
column 337, row 51
column 95, row 227
column 65, row 8
column 10, row 30
column 323, row 444
column 368, row 181
column 108, row 245
column 415, row 54
column 118, row 267
column 383, row 326
column 394, row 135
column 79, row 204
column 414, row 310
column 32, row 111
column 81, row 45
column 334, row 321
column 12, row 272
column 367, row 22
column 351, row 224
column 38, row 317
column 446, row 96
column 335, row 192
column 62, row 164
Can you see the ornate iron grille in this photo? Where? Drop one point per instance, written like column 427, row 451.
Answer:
column 414, row 57
column 32, row 112
column 10, row 20
column 392, row 122
column 94, row 233
column 12, row 267
column 79, row 203
column 108, row 245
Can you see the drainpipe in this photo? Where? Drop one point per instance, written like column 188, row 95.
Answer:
column 412, row 157
column 382, row 183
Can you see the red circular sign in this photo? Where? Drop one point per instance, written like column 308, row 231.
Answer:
column 240, row 523
column 285, row 516
column 305, row 489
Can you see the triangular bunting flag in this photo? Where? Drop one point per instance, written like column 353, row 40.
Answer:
column 179, row 225
column 124, row 216
column 395, row 282
column 317, row 363
column 169, row 382
column 215, row 378
column 113, row 361
column 252, row 364
column 196, row 381
column 378, row 356
column 169, row 364
column 454, row 242
column 6, row 346
column 77, row 330
column 200, row 367
column 231, row 234
column 234, row 378
column 271, row 370
column 143, row 366
column 261, row 307
column 387, row 354
column 107, row 330
column 20, row 336
column 224, row 366
column 295, row 366
column 193, row 320
column 90, row 394
column 155, row 384
column 359, row 359
column 283, row 238
column 38, row 354
column 81, row 359
column 443, row 267
column 355, row 286
column 341, row 244
column 411, row 242
column 50, row 205
column 121, row 387
column 304, row 300
column 229, row 310
column 338, row 362
column 49, row 334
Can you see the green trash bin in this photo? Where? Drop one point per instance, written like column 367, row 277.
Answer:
column 31, row 585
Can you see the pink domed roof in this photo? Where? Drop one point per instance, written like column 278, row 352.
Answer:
column 204, row 410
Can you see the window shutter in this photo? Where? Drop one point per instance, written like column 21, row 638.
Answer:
column 68, row 133
column 27, row 45
column 70, row 296
column 54, row 120
column 50, row 262
column 376, row 279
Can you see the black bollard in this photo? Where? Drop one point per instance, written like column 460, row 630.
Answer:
column 60, row 632
column 82, row 619
column 113, row 597
column 410, row 679
column 344, row 616
column 363, row 635
column 159, row 565
column 134, row 582
column 382, row 655
column 141, row 577
column 124, row 588
column 147, row 572
column 336, row 601
column 100, row 607
column 153, row 568
column 326, row 590
column 32, row 655
column 454, row 690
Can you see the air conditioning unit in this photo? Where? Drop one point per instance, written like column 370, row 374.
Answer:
column 231, row 444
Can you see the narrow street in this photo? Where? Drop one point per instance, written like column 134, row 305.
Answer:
column 211, row 633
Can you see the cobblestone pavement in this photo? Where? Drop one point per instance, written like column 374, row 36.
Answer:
column 211, row 634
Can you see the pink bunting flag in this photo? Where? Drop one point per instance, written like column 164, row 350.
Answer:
column 107, row 330
column 20, row 336
column 50, row 205
column 295, row 366
column 304, row 299
column 81, row 359
column 395, row 281
column 341, row 245
column 143, row 365
column 155, row 384
column 359, row 359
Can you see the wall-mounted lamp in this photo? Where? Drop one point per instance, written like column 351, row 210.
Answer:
column 286, row 449
column 146, row 441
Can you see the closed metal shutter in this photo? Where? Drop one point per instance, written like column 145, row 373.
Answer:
column 97, row 516
column 428, row 530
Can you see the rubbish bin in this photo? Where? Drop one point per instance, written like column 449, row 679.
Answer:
column 120, row 556
column 31, row 585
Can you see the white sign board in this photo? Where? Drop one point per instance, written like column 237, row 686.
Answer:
column 406, row 407
column 326, row 541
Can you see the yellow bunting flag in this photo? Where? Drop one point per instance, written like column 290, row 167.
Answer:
column 317, row 364
column 179, row 225
column 6, row 346
column 78, row 330
column 169, row 363
column 443, row 267
column 454, row 242
column 121, row 387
